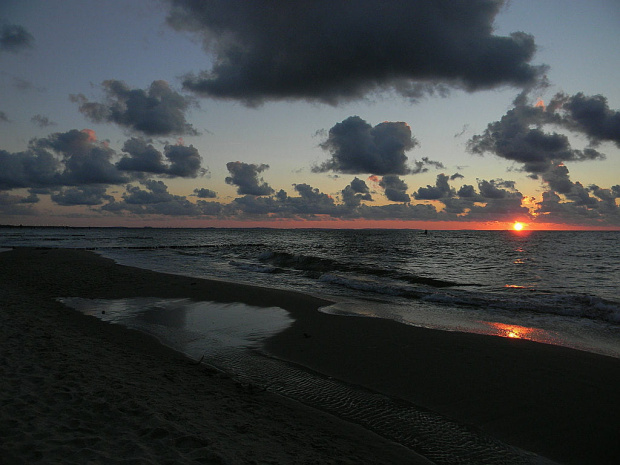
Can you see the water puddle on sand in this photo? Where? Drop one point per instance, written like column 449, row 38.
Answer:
column 194, row 328
column 229, row 336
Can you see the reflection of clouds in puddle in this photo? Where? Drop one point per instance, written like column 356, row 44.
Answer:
column 188, row 326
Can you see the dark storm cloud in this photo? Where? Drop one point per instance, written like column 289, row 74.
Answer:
column 144, row 158
column 357, row 147
column 245, row 177
column 440, row 190
column 14, row 38
column 42, row 121
column 334, row 51
column 83, row 195
column 157, row 111
column 395, row 189
column 203, row 193
column 590, row 116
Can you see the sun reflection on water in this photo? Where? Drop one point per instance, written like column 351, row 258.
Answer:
column 519, row 332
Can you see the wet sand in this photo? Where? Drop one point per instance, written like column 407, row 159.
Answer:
column 77, row 389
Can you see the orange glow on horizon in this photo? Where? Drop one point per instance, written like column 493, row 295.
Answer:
column 518, row 226
column 326, row 223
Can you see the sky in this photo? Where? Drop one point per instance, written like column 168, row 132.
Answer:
column 429, row 114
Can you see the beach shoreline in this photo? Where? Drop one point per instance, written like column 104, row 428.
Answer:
column 76, row 389
column 557, row 402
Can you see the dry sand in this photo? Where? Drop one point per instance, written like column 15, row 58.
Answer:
column 74, row 389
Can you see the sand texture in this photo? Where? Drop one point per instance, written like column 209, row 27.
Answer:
column 75, row 389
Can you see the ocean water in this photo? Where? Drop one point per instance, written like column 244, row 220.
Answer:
column 556, row 287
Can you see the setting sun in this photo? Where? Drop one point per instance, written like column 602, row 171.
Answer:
column 517, row 226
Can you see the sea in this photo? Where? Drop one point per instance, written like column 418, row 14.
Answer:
column 552, row 287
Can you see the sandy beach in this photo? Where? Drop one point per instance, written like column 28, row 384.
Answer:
column 77, row 390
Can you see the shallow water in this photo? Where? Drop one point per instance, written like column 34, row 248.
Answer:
column 194, row 328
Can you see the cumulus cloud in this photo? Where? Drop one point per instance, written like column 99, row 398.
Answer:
column 203, row 193
column 519, row 135
column 340, row 50
column 142, row 157
column 76, row 158
column 245, row 177
column 395, row 188
column 496, row 189
column 311, row 201
column 61, row 159
column 184, row 161
column 14, row 38
column 440, row 190
column 579, row 205
column 589, row 115
column 354, row 193
column 175, row 161
column 28, row 169
column 42, row 121
column 157, row 111
column 85, row 160
column 357, row 147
